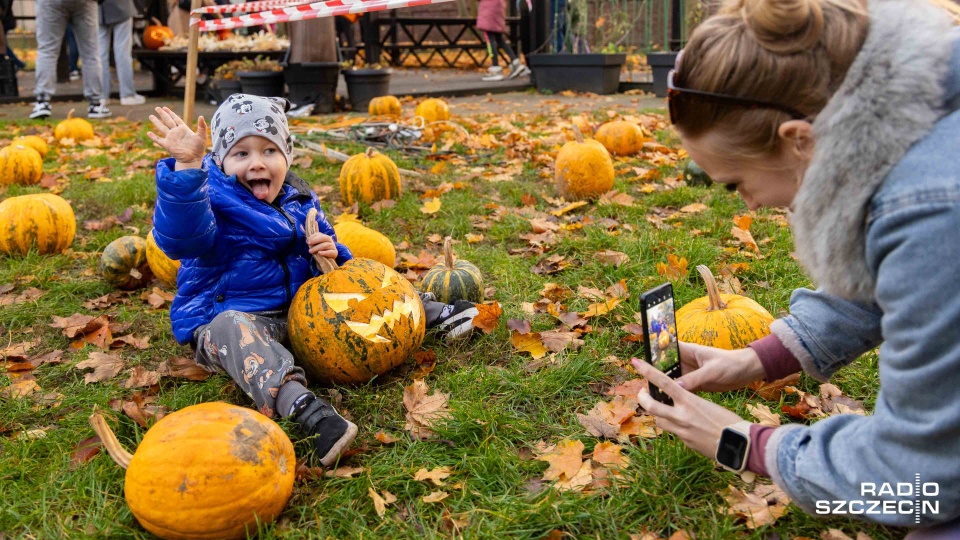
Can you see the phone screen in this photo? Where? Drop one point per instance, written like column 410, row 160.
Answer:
column 660, row 320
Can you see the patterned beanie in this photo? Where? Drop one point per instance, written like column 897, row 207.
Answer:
column 242, row 115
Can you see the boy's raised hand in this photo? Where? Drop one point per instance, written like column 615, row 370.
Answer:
column 176, row 137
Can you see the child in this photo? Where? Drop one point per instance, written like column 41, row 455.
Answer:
column 235, row 219
column 491, row 20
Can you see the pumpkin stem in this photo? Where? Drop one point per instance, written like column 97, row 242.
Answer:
column 310, row 228
column 448, row 253
column 70, row 114
column 136, row 273
column 371, row 151
column 716, row 303
column 577, row 133
column 120, row 456
column 156, row 21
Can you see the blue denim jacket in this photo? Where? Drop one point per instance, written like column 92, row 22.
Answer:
column 913, row 253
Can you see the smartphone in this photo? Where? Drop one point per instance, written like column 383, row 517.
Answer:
column 660, row 335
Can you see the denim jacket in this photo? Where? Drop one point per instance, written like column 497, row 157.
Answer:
column 906, row 299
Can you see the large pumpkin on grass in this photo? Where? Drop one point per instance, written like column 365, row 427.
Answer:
column 43, row 220
column 124, row 263
column 584, row 169
column 20, row 164
column 208, row 471
column 621, row 138
column 725, row 321
column 385, row 106
column 34, row 141
column 452, row 281
column 356, row 322
column 77, row 129
column 369, row 177
column 433, row 110
column 156, row 35
column 162, row 266
column 365, row 242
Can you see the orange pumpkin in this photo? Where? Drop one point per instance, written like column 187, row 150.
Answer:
column 20, row 164
column 388, row 106
column 363, row 241
column 77, row 129
column 433, row 110
column 162, row 266
column 211, row 470
column 369, row 177
column 156, row 35
column 621, row 138
column 34, row 141
column 584, row 169
column 356, row 322
column 43, row 220
column 725, row 321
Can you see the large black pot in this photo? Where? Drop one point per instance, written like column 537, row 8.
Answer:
column 597, row 73
column 313, row 82
column 226, row 88
column 262, row 83
column 366, row 84
column 661, row 64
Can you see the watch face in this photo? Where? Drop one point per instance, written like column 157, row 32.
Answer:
column 732, row 449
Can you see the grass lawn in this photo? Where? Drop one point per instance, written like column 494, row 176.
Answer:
column 502, row 402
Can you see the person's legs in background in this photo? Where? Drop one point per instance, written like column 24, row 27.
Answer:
column 495, row 72
column 86, row 22
column 52, row 19
column 103, row 44
column 515, row 68
column 73, row 53
column 558, row 23
column 123, row 58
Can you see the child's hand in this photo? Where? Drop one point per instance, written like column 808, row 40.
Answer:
column 322, row 244
column 176, row 137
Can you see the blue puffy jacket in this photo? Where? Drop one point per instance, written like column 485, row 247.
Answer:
column 235, row 251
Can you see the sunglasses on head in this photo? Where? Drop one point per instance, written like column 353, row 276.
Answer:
column 678, row 97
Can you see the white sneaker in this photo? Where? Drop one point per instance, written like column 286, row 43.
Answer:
column 135, row 99
column 74, row 75
column 517, row 69
column 98, row 111
column 496, row 74
column 41, row 109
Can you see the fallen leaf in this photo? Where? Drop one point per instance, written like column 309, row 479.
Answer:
column 380, row 502
column 693, row 208
column 675, row 268
column 615, row 197
column 385, row 437
column 616, row 258
column 580, row 480
column 132, row 340
column 551, row 265
column 140, row 376
column 521, row 326
column 436, row 496
column 565, row 460
column 141, row 408
column 435, row 475
column 85, row 451
column 600, row 308
column 183, row 368
column 555, row 292
column 344, row 472
column 763, row 413
column 570, row 207
column 473, row 238
column 557, row 341
column 105, row 366
column 79, row 324
column 28, row 295
column 529, row 343
column 610, row 454
column 20, row 388
column 773, row 389
column 488, row 316
column 763, row 506
column 541, row 225
column 18, row 350
column 383, row 205
column 104, row 301
column 432, row 206
column 426, row 361
column 423, row 410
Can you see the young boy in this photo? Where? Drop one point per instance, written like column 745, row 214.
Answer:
column 235, row 220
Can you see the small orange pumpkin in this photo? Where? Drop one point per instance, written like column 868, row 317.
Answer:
column 34, row 141
column 156, row 35
column 77, row 129
column 388, row 106
column 433, row 110
column 20, row 164
column 584, row 169
column 211, row 470
column 621, row 138
column 363, row 241
column 725, row 321
column 43, row 220
column 369, row 177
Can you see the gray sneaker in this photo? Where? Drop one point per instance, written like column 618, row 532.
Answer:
column 98, row 110
column 41, row 109
column 495, row 74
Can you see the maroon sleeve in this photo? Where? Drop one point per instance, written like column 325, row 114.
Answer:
column 758, row 448
column 778, row 362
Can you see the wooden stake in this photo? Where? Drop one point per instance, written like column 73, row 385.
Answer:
column 340, row 156
column 190, row 92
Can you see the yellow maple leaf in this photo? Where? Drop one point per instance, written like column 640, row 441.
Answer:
column 431, row 206
column 529, row 343
column 565, row 460
column 609, row 454
column 435, row 475
column 674, row 268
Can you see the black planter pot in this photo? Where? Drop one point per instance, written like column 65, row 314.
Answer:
column 313, row 82
column 366, row 84
column 597, row 73
column 226, row 88
column 262, row 83
column 661, row 64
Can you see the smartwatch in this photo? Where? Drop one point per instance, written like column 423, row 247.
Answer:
column 733, row 448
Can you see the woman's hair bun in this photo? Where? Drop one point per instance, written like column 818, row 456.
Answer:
column 784, row 26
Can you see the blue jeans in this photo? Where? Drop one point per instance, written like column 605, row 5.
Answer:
column 73, row 53
column 558, row 23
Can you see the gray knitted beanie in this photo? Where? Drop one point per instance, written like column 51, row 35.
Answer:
column 242, row 115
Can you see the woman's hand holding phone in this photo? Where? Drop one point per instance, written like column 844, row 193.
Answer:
column 717, row 370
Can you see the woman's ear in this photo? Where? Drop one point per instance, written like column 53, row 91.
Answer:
column 797, row 137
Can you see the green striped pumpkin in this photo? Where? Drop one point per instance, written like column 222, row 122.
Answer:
column 124, row 263
column 43, row 220
column 369, row 177
column 20, row 164
column 452, row 281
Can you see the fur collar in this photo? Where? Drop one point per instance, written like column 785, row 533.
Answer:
column 891, row 97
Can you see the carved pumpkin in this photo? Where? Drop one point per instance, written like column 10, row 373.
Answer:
column 452, row 281
column 20, row 164
column 156, row 35
column 162, row 266
column 584, row 169
column 385, row 106
column 369, row 177
column 356, row 322
column 77, row 129
column 621, row 138
column 365, row 242
column 34, row 141
column 725, row 321
column 433, row 110
column 211, row 470
column 124, row 263
column 43, row 220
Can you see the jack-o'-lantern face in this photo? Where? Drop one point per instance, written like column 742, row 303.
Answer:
column 357, row 322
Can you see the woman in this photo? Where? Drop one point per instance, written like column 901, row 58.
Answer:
column 847, row 114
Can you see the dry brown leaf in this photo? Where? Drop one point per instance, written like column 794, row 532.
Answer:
column 616, row 258
column 28, row 295
column 435, row 475
column 488, row 318
column 600, row 308
column 615, row 197
column 436, row 496
column 773, row 389
column 18, row 350
column 79, row 324
column 644, row 426
column 570, row 207
column 555, row 292
column 529, row 343
column 693, row 208
column 141, row 408
column 745, row 238
column 610, row 455
column 762, row 506
column 628, row 389
column 132, row 340
column 521, row 326
column 423, row 410
column 565, row 459
column 541, row 225
column 105, row 301
column 557, row 341
column 184, row 368
column 763, row 413
column 105, row 366
column 140, row 377
column 20, row 388
column 582, row 479
column 344, row 472
column 385, row 437
column 85, row 451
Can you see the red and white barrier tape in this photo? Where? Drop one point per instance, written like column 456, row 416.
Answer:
column 261, row 5
column 316, row 10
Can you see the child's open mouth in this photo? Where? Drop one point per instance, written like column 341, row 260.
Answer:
column 260, row 187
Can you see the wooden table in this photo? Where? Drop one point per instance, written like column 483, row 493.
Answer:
column 159, row 63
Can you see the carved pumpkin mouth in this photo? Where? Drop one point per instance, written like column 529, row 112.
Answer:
column 371, row 330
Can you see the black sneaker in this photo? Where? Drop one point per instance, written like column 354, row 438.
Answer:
column 98, row 110
column 456, row 320
column 41, row 109
column 331, row 433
